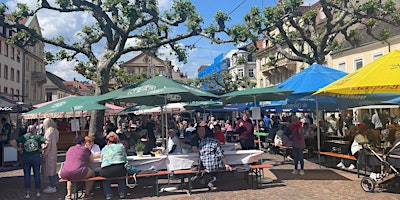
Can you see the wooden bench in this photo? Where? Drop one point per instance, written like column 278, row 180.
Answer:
column 338, row 155
column 257, row 169
column 282, row 149
column 78, row 183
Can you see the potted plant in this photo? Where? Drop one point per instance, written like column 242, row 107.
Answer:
column 139, row 147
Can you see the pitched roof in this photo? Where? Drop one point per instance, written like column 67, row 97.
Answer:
column 59, row 82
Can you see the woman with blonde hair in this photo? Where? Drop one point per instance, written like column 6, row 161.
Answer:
column 49, row 157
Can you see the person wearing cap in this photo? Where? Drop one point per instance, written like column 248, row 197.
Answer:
column 245, row 129
column 174, row 146
column 113, row 159
column 75, row 166
column 94, row 148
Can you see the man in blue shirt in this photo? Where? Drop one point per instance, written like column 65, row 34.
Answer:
column 267, row 122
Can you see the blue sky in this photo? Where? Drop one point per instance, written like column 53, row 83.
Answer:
column 203, row 54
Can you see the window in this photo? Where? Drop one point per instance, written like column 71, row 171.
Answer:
column 27, row 67
column 240, row 72
column 251, row 73
column 358, row 63
column 6, row 50
column 5, row 90
column 5, row 75
column 1, row 45
column 18, row 56
column 12, row 53
column 17, row 92
column 12, row 77
column 49, row 97
column 342, row 66
column 12, row 91
column 376, row 55
column 35, row 66
column 18, row 76
column 27, row 86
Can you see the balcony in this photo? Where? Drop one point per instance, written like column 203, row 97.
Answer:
column 38, row 77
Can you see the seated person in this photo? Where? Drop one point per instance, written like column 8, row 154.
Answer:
column 218, row 134
column 282, row 139
column 211, row 156
column 113, row 159
column 195, row 140
column 76, row 166
column 174, row 146
column 94, row 148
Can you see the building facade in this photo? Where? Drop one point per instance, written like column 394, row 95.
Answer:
column 152, row 66
column 22, row 69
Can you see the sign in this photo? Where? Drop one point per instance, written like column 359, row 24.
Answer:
column 256, row 113
column 6, row 108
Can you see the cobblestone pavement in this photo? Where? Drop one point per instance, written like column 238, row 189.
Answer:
column 230, row 186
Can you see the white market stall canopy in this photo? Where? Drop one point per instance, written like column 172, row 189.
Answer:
column 169, row 108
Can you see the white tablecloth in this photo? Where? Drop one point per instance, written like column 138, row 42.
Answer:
column 184, row 161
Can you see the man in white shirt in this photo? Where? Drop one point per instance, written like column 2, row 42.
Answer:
column 376, row 121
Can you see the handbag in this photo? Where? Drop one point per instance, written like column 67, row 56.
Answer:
column 131, row 170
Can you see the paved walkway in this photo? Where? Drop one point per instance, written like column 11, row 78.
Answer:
column 331, row 184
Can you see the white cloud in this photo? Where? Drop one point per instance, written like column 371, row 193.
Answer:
column 164, row 4
column 12, row 4
column 64, row 69
column 309, row 2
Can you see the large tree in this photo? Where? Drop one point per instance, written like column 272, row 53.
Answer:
column 116, row 23
column 309, row 33
column 223, row 82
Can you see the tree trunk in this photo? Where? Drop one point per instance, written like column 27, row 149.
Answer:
column 97, row 117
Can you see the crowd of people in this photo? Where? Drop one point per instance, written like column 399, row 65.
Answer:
column 38, row 144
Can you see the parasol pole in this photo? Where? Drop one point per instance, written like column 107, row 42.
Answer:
column 73, row 113
column 318, row 131
column 257, row 128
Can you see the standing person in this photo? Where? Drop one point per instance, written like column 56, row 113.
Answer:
column 29, row 145
column 76, row 166
column 332, row 125
column 298, row 144
column 376, row 121
column 211, row 156
column 113, row 159
column 340, row 125
column 5, row 135
column 245, row 128
column 50, row 154
column 149, row 125
column 229, row 131
column 267, row 122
